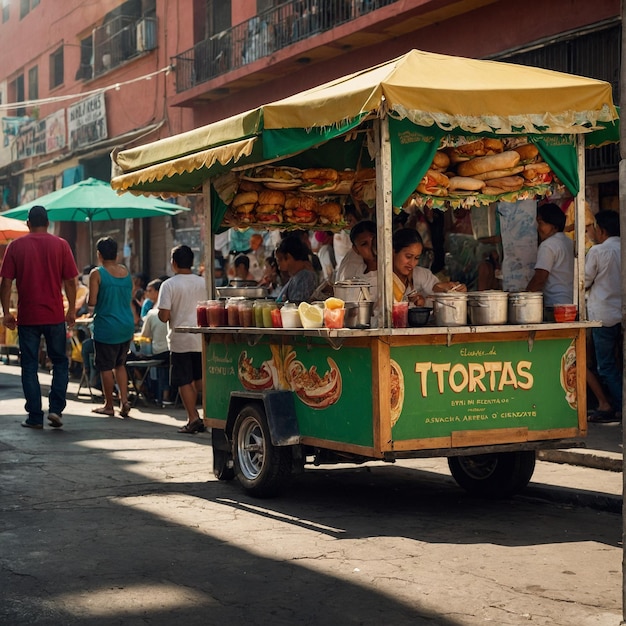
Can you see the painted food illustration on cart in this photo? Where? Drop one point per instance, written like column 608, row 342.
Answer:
column 568, row 375
column 284, row 371
column 397, row 391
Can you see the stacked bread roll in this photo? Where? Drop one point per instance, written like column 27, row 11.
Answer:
column 485, row 166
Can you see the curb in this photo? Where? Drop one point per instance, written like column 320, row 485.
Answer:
column 574, row 497
column 596, row 459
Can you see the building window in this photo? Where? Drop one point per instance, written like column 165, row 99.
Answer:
column 219, row 16
column 5, row 10
column 56, row 68
column 18, row 92
column 26, row 6
column 85, row 70
column 33, row 83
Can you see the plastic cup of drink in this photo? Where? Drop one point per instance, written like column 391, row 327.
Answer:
column 232, row 311
column 277, row 321
column 333, row 318
column 268, row 318
column 215, row 313
column 246, row 314
column 400, row 314
column 201, row 314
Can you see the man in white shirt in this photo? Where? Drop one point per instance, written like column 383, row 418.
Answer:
column 604, row 303
column 177, row 302
column 554, row 269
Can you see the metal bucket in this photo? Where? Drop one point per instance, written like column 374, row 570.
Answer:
column 487, row 307
column 450, row 309
column 526, row 307
column 358, row 314
column 353, row 290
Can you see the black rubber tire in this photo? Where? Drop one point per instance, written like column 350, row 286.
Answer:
column 493, row 476
column 261, row 468
column 223, row 468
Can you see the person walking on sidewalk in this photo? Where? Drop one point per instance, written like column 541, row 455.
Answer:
column 177, row 302
column 604, row 303
column 41, row 264
column 111, row 293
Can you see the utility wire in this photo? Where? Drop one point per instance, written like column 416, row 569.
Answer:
column 116, row 86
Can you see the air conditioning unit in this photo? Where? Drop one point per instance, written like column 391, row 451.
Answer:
column 146, row 35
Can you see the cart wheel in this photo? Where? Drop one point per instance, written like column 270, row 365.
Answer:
column 222, row 458
column 493, row 475
column 262, row 468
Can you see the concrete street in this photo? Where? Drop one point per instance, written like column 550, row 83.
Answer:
column 112, row 521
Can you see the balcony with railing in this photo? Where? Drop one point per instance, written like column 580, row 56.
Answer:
column 265, row 34
column 120, row 40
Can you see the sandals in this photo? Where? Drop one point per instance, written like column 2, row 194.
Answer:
column 192, row 428
column 125, row 409
column 101, row 410
column 602, row 417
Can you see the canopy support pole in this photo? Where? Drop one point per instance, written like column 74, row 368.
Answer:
column 384, row 221
column 579, row 224
column 208, row 238
column 622, row 214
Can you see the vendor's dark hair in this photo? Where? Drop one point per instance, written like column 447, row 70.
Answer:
column 244, row 260
column 552, row 214
column 364, row 226
column 294, row 246
column 107, row 247
column 183, row 257
column 608, row 221
column 404, row 238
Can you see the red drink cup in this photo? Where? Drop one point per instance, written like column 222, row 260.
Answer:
column 215, row 313
column 400, row 314
column 277, row 321
column 201, row 314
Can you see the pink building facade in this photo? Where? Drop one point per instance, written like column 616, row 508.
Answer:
column 76, row 84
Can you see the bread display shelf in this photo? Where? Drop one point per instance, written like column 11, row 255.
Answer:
column 286, row 198
column 469, row 200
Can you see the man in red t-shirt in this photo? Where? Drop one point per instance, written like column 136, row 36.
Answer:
column 41, row 264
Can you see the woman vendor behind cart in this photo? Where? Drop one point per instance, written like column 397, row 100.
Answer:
column 411, row 282
column 292, row 256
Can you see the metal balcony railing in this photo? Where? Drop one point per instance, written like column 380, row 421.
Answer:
column 120, row 40
column 263, row 35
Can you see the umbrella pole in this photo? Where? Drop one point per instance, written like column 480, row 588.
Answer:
column 90, row 242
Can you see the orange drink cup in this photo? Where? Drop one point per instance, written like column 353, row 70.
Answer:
column 333, row 318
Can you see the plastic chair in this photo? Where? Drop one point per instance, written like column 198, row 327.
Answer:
column 85, row 378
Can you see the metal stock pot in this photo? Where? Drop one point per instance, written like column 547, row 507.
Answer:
column 487, row 307
column 450, row 308
column 352, row 290
column 526, row 307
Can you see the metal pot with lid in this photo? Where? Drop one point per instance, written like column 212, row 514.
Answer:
column 526, row 307
column 487, row 307
column 353, row 290
column 450, row 308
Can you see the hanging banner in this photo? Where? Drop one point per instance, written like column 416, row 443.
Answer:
column 55, row 131
column 86, row 122
column 31, row 140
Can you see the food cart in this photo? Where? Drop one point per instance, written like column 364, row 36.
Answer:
column 486, row 397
